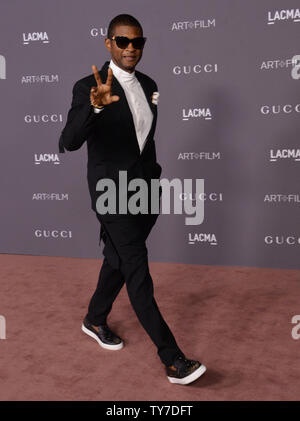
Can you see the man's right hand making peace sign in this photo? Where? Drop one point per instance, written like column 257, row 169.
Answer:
column 100, row 95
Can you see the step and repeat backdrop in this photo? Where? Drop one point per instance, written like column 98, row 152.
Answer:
column 228, row 113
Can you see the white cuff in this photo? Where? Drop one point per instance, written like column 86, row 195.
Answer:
column 97, row 110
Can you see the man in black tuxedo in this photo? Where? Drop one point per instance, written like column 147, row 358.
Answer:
column 117, row 119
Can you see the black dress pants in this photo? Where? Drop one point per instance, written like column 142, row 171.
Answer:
column 126, row 261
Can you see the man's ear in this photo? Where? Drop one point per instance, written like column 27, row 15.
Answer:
column 107, row 44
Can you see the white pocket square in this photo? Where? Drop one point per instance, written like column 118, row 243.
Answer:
column 155, row 97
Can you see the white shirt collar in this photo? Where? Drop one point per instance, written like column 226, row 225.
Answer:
column 120, row 73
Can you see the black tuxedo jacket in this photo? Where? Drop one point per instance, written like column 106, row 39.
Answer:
column 111, row 138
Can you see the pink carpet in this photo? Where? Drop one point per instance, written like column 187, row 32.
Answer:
column 236, row 320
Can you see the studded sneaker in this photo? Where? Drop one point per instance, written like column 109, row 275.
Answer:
column 105, row 337
column 185, row 371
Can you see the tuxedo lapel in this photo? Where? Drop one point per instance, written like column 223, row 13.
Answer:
column 123, row 106
column 148, row 94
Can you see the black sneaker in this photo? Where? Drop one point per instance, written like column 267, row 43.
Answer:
column 186, row 371
column 105, row 337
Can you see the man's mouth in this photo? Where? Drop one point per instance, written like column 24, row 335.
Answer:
column 130, row 58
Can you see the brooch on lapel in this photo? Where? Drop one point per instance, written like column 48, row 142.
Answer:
column 154, row 98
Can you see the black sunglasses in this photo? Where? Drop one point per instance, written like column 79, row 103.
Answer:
column 123, row 42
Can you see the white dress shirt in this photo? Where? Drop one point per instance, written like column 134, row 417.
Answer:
column 139, row 107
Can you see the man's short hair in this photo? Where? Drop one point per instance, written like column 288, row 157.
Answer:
column 123, row 19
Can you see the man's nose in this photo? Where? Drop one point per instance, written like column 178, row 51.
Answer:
column 130, row 45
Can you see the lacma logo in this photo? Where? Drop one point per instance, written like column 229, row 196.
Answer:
column 203, row 238
column 2, row 327
column 284, row 154
column 50, row 158
column 35, row 36
column 203, row 113
column 286, row 14
column 2, row 67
